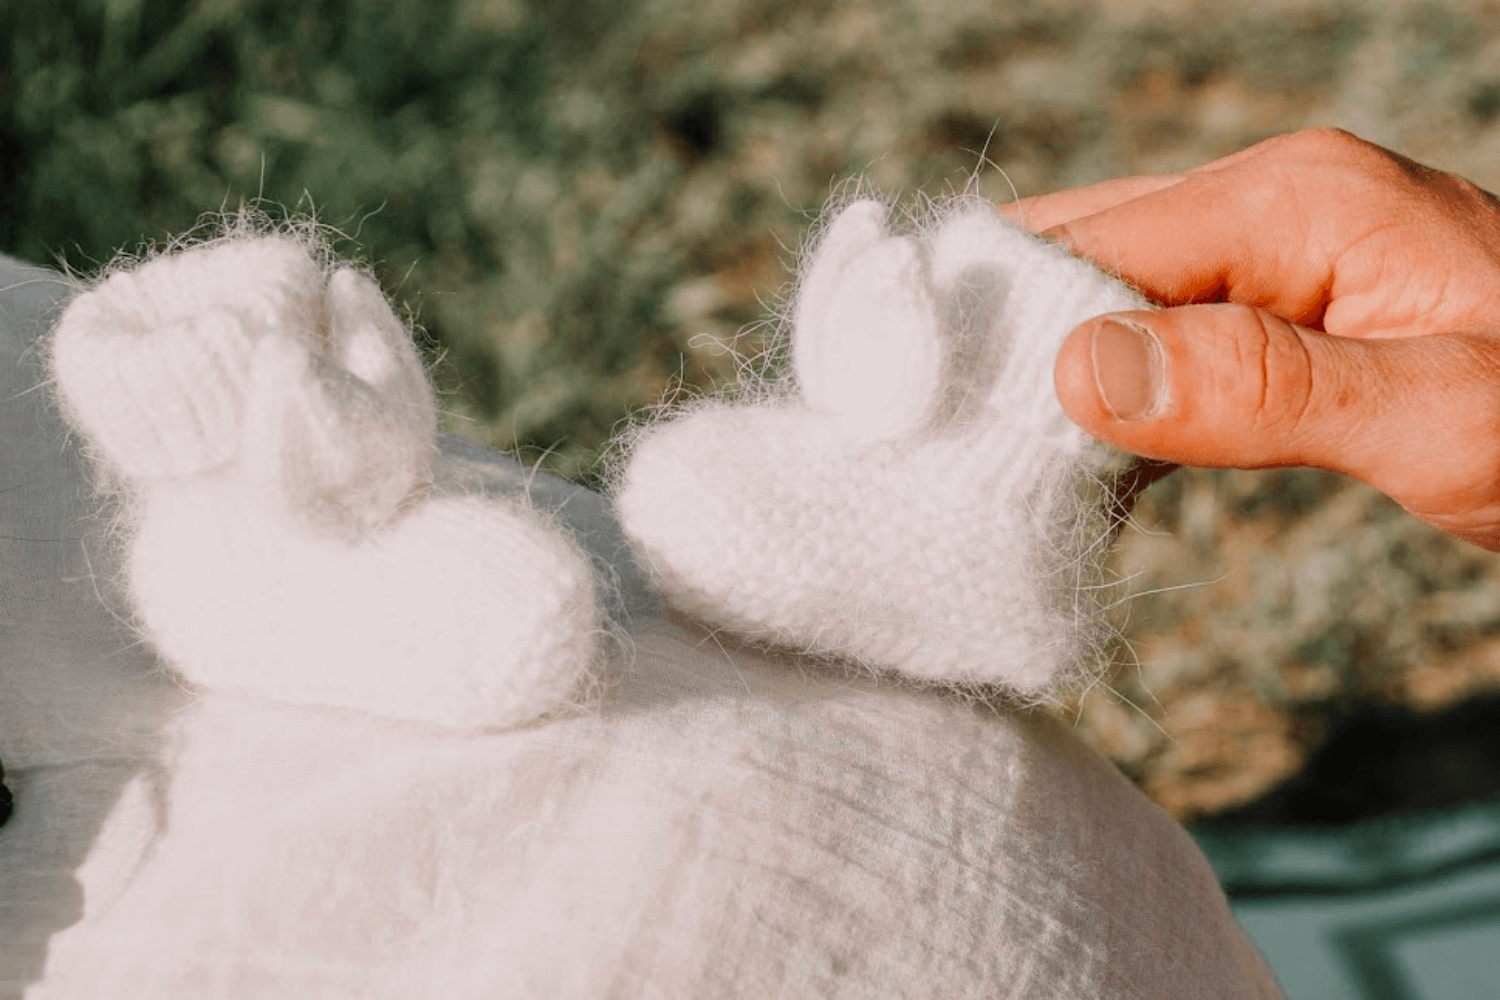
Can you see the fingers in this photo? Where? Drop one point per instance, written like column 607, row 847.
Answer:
column 1048, row 211
column 1208, row 238
column 1292, row 225
column 1232, row 386
column 1218, row 385
column 1343, row 269
column 1230, row 229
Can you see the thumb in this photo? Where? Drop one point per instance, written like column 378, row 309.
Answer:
column 1228, row 385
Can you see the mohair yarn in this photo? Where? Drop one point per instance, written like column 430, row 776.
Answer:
column 909, row 496
column 269, row 425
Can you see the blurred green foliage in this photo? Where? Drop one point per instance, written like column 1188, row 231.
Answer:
column 442, row 136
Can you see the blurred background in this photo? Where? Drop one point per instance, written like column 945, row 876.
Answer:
column 580, row 203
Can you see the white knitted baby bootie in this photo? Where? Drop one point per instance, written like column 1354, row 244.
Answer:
column 275, row 436
column 913, row 497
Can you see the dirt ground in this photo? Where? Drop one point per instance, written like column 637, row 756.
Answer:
column 583, row 202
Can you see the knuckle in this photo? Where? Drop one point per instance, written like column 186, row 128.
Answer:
column 1331, row 139
column 1282, row 404
column 1326, row 143
column 1334, row 148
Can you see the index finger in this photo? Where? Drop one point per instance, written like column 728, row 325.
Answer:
column 1302, row 223
column 1048, row 211
column 1208, row 238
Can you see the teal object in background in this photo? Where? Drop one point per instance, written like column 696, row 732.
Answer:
column 1399, row 908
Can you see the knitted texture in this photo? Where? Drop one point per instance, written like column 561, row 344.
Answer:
column 910, row 496
column 270, row 425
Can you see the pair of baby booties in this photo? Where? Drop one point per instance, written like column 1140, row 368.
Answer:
column 904, row 494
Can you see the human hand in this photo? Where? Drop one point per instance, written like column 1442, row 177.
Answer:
column 1328, row 303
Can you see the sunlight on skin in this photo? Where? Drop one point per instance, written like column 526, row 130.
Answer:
column 1328, row 303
